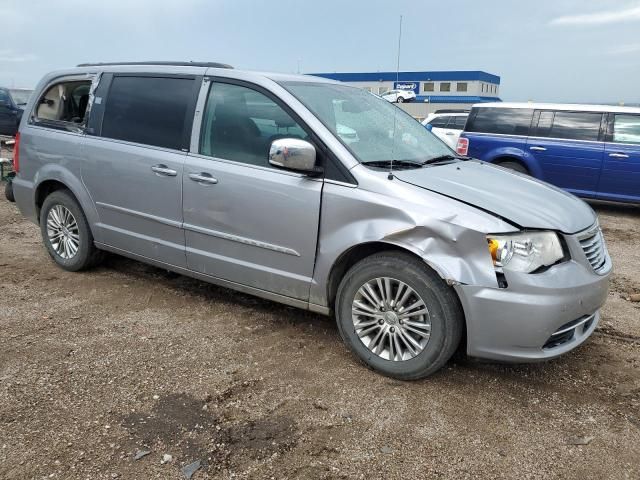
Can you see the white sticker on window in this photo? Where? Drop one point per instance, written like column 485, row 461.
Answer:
column 98, row 100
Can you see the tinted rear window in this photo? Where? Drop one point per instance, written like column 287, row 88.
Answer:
column 505, row 121
column 574, row 126
column 149, row 110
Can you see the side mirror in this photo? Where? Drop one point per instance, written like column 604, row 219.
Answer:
column 428, row 126
column 293, row 154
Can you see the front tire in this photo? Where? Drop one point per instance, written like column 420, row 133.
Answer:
column 66, row 233
column 398, row 316
column 400, row 100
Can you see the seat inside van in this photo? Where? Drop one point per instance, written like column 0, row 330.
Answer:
column 65, row 102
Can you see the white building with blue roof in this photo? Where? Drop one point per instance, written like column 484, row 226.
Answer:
column 438, row 90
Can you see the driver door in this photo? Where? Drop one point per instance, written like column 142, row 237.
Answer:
column 246, row 221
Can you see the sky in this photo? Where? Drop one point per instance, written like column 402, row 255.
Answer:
column 547, row 50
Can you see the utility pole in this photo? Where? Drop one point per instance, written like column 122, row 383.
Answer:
column 399, row 41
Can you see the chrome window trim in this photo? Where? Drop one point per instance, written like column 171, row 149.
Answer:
column 566, row 139
column 527, row 137
column 341, row 184
column 256, row 167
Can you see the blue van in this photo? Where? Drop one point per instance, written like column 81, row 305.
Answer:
column 592, row 151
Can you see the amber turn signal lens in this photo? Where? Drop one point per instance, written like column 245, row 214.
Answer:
column 493, row 249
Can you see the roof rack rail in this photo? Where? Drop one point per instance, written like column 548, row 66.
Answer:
column 167, row 63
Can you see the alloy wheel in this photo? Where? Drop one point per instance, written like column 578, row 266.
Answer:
column 63, row 232
column 391, row 319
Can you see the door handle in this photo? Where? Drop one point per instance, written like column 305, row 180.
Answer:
column 618, row 155
column 449, row 133
column 538, row 149
column 162, row 169
column 203, row 178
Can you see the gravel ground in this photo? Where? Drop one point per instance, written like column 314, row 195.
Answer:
column 97, row 367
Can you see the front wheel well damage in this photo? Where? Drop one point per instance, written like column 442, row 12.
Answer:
column 359, row 252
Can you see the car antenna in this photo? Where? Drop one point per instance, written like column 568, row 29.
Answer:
column 395, row 113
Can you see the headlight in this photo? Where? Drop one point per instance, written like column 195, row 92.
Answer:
column 525, row 252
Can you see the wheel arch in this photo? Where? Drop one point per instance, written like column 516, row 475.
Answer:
column 56, row 178
column 513, row 154
column 363, row 250
column 509, row 158
column 46, row 188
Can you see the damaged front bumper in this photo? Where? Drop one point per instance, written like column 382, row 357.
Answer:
column 538, row 316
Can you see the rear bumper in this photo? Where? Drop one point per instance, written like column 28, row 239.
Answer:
column 23, row 191
column 537, row 317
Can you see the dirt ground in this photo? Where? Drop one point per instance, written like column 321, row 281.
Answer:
column 98, row 367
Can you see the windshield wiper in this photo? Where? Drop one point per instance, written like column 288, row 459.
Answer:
column 386, row 163
column 442, row 158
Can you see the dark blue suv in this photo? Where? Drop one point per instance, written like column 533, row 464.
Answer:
column 592, row 151
column 12, row 102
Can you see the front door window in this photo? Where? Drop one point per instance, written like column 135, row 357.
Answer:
column 240, row 124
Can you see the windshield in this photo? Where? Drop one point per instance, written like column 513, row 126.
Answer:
column 383, row 131
column 21, row 97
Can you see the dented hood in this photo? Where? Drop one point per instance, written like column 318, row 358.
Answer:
column 520, row 199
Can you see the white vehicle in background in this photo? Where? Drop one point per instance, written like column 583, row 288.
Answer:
column 399, row 96
column 446, row 126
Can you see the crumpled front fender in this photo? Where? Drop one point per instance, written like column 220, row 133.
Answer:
column 448, row 235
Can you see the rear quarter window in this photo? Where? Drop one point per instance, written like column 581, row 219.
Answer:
column 504, row 121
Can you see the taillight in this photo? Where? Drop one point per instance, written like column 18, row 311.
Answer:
column 16, row 154
column 463, row 146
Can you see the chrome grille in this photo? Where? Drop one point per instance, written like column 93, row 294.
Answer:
column 592, row 243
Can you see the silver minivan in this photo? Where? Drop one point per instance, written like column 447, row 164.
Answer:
column 245, row 180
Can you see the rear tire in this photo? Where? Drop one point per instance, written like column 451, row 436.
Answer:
column 66, row 233
column 400, row 100
column 394, row 354
column 515, row 166
column 8, row 192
